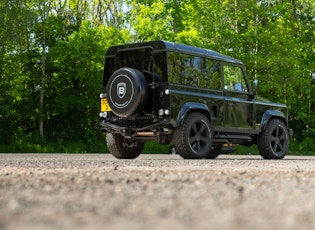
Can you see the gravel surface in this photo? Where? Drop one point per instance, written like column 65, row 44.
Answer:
column 97, row 191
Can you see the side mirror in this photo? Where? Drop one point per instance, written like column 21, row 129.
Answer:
column 255, row 86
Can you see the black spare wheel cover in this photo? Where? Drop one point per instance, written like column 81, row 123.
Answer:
column 127, row 92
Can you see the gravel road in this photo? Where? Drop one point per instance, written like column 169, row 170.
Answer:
column 97, row 191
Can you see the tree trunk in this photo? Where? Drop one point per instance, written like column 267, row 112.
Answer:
column 43, row 81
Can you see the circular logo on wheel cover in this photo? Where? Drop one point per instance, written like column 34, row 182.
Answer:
column 121, row 91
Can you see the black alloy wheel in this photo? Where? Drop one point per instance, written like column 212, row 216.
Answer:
column 273, row 142
column 123, row 148
column 193, row 139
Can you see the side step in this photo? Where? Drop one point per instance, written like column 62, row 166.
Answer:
column 231, row 138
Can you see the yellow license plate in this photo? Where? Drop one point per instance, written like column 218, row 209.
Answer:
column 104, row 105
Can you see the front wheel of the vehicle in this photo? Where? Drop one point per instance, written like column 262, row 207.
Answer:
column 273, row 142
column 193, row 139
column 123, row 148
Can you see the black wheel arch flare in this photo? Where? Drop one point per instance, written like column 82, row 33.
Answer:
column 190, row 107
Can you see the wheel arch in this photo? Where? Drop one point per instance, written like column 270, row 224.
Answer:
column 190, row 107
column 272, row 114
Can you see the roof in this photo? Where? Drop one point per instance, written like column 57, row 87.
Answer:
column 176, row 47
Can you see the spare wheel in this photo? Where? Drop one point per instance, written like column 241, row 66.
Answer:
column 127, row 92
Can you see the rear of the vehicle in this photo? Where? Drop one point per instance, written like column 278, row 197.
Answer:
column 135, row 97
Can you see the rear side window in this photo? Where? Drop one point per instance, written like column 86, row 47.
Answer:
column 193, row 71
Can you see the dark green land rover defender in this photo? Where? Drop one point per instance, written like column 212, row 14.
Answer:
column 196, row 98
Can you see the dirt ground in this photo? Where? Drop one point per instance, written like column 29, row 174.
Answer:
column 97, row 191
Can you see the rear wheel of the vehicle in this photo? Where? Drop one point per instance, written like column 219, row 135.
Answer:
column 123, row 148
column 193, row 139
column 273, row 142
column 127, row 92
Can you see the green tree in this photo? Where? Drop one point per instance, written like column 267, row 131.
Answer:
column 74, row 85
column 15, row 23
column 52, row 52
column 151, row 21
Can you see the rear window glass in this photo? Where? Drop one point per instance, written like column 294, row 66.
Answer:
column 136, row 58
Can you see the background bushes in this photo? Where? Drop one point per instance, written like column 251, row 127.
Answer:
column 52, row 54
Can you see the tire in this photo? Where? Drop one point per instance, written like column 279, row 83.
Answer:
column 215, row 151
column 127, row 92
column 193, row 139
column 273, row 142
column 122, row 148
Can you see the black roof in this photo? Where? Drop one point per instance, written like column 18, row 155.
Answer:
column 172, row 46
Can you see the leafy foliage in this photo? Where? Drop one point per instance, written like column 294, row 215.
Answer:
column 55, row 49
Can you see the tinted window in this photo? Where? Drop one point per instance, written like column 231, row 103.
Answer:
column 142, row 59
column 160, row 66
column 234, row 79
column 194, row 71
column 136, row 58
